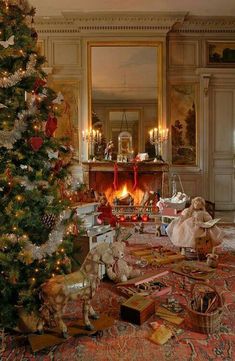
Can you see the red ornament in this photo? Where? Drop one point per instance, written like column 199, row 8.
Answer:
column 36, row 143
column 58, row 166
column 37, row 84
column 134, row 217
column 51, row 126
column 122, row 218
column 145, row 217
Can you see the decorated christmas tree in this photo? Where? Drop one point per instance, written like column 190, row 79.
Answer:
column 35, row 217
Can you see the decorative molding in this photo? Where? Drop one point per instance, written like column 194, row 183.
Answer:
column 109, row 22
column 142, row 22
column 205, row 24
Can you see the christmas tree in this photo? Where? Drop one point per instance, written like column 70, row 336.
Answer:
column 34, row 213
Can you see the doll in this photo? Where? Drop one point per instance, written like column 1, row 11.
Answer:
column 187, row 228
column 109, row 150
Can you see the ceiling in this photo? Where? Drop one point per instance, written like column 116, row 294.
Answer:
column 193, row 7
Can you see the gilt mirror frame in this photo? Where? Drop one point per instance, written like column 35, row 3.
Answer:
column 160, row 71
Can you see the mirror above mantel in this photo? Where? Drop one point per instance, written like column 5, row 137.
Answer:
column 125, row 91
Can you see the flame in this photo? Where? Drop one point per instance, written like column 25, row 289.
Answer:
column 124, row 191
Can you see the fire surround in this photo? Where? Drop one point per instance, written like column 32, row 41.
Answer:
column 151, row 177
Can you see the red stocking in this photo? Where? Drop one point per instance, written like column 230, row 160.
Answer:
column 115, row 177
column 135, row 168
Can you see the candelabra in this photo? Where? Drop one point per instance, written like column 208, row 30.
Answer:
column 157, row 137
column 91, row 136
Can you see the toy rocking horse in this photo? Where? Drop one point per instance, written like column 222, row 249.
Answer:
column 82, row 284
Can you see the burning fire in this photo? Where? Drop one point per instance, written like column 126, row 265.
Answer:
column 124, row 191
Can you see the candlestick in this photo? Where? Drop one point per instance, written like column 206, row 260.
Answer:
column 157, row 136
column 91, row 136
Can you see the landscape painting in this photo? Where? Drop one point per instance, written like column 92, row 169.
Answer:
column 221, row 53
column 183, row 124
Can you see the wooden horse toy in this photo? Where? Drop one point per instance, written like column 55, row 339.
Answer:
column 82, row 284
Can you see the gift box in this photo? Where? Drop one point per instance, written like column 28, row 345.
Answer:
column 137, row 309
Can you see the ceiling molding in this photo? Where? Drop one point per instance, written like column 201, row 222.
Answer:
column 72, row 22
column 206, row 24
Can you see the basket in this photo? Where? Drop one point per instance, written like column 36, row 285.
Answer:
column 205, row 322
column 179, row 206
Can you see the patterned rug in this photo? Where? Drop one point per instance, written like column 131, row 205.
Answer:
column 128, row 342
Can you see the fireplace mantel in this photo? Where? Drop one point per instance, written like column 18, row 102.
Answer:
column 158, row 170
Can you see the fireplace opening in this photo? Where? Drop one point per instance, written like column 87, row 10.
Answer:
column 125, row 194
column 132, row 190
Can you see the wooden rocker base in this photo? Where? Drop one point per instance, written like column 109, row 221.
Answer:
column 53, row 337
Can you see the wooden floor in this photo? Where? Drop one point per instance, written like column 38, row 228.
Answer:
column 226, row 216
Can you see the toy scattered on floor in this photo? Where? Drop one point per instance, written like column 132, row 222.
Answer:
column 120, row 270
column 146, row 285
column 139, row 228
column 189, row 226
column 193, row 269
column 177, row 201
column 157, row 255
column 161, row 335
column 82, row 284
column 212, row 260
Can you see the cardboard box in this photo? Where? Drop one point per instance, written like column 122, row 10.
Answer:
column 137, row 309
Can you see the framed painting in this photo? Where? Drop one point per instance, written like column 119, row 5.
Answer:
column 183, row 124
column 221, row 53
column 68, row 119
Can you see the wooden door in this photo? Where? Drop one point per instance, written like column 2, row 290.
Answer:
column 222, row 143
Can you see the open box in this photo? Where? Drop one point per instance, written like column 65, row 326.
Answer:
column 150, row 285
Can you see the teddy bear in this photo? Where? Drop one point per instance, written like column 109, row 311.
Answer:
column 120, row 270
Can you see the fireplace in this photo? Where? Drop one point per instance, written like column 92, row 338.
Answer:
column 148, row 177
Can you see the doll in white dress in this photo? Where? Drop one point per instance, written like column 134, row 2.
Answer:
column 184, row 230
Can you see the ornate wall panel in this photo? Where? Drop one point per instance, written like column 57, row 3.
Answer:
column 183, row 53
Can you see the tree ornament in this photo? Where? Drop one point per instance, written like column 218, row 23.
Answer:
column 37, row 84
column 51, row 126
column 36, row 143
column 49, row 220
column 8, row 42
column 59, row 99
column 34, row 34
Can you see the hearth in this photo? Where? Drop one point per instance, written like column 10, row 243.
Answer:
column 131, row 189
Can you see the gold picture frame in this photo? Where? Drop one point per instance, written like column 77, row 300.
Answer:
column 183, row 124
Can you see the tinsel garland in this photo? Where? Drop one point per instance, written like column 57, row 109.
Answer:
column 9, row 137
column 31, row 252
column 13, row 79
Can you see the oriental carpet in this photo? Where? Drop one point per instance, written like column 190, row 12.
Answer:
column 128, row 342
